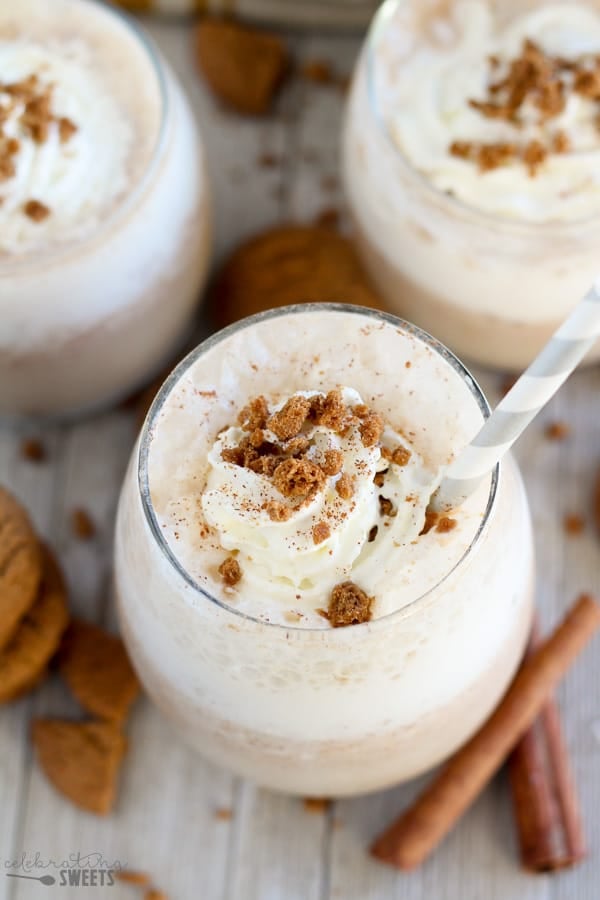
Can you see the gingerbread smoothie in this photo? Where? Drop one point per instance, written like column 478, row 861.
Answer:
column 98, row 149
column 285, row 596
column 471, row 155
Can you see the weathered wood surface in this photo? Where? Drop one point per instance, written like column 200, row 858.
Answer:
column 271, row 848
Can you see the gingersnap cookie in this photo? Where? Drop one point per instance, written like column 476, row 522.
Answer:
column 243, row 66
column 20, row 565
column 81, row 759
column 24, row 660
column 290, row 264
column 96, row 667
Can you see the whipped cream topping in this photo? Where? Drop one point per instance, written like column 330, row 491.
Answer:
column 77, row 179
column 236, row 500
column 430, row 65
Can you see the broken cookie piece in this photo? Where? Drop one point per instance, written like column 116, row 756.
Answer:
column 230, row 571
column 349, row 605
column 81, row 759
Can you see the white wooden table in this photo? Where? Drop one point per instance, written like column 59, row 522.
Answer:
column 272, row 848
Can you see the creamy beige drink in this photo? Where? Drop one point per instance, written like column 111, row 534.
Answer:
column 285, row 598
column 104, row 232
column 471, row 160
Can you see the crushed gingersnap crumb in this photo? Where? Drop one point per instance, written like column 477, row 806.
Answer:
column 349, row 605
column 370, row 429
column 82, row 524
column 345, row 486
column 431, row 520
column 321, row 531
column 401, row 456
column 445, row 524
column 573, row 524
column 33, row 450
column 386, row 507
column 278, row 512
column 298, row 477
column 255, row 414
column 288, row 422
column 316, row 804
column 36, row 211
column 557, row 431
column 66, row 129
column 230, row 571
column 333, row 462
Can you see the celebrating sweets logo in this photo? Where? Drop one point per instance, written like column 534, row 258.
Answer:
column 76, row 870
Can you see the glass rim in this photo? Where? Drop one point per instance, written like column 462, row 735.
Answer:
column 146, row 436
column 58, row 254
column 479, row 217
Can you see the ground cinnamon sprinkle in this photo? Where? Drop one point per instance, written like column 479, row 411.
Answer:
column 230, row 571
column 321, row 531
column 349, row 605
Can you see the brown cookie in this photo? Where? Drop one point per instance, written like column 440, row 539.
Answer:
column 81, row 759
column 290, row 264
column 24, row 660
column 20, row 565
column 96, row 667
column 242, row 66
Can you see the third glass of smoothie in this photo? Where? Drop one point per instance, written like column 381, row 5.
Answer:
column 285, row 596
column 472, row 167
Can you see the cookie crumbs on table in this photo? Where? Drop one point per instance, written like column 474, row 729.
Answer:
column 82, row 524
column 33, row 450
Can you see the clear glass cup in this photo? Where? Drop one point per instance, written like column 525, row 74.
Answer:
column 325, row 711
column 82, row 325
column 492, row 289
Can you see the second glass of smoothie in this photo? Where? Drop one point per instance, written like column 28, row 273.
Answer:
column 471, row 164
column 286, row 598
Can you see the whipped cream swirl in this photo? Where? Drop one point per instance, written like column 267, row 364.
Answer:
column 427, row 70
column 236, row 499
column 78, row 180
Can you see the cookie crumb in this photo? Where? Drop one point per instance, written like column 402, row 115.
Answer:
column 349, row 605
column 401, row 456
column 345, row 486
column 445, row 524
column 288, row 422
column 557, row 431
column 36, row 210
column 33, row 450
column 298, row 477
column 431, row 520
column 370, row 429
column 278, row 512
column 230, row 571
column 316, row 804
column 318, row 71
column 129, row 876
column 321, row 531
column 66, row 129
column 573, row 524
column 386, row 507
column 82, row 524
column 223, row 814
column 255, row 414
column 333, row 462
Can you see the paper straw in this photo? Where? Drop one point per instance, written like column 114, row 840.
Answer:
column 561, row 355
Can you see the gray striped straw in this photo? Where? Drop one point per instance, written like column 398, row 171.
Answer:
column 532, row 391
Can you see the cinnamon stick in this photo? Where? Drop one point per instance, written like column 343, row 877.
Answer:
column 419, row 830
column 544, row 797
